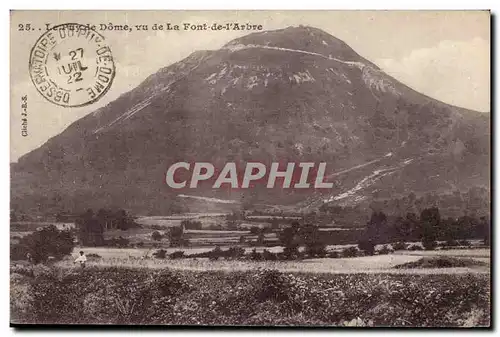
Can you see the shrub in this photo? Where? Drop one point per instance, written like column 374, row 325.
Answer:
column 170, row 283
column 140, row 244
column 49, row 241
column 255, row 256
column 367, row 246
column 156, row 236
column 385, row 250
column 272, row 285
column 399, row 246
column 441, row 262
column 215, row 254
column 334, row 254
column 465, row 243
column 291, row 252
column 415, row 247
column 452, row 243
column 120, row 242
column 179, row 254
column 350, row 252
column 192, row 224
column 254, row 230
column 160, row 254
column 234, row 253
column 316, row 250
column 93, row 256
column 429, row 244
column 268, row 256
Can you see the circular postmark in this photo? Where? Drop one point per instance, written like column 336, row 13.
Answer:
column 71, row 65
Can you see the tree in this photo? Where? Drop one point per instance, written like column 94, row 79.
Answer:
column 105, row 218
column 254, row 255
column 401, row 229
column 90, row 229
column 254, row 230
column 231, row 225
column 175, row 236
column 215, row 253
column 312, row 241
column 49, row 241
column 413, row 225
column 261, row 238
column 429, row 220
column 290, row 240
column 123, row 220
column 191, row 224
column 13, row 215
column 156, row 236
column 367, row 246
column 377, row 227
column 485, row 227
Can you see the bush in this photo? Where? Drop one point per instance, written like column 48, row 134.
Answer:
column 268, row 256
column 291, row 252
column 429, row 244
column 93, row 256
column 234, row 253
column 254, row 230
column 192, row 224
column 465, row 243
column 119, row 242
column 350, row 252
column 215, row 254
column 452, row 243
column 316, row 250
column 415, row 247
column 442, row 262
column 156, row 236
column 367, row 246
column 179, row 254
column 385, row 250
column 49, row 241
column 255, row 256
column 160, row 254
column 334, row 254
column 399, row 246
column 272, row 285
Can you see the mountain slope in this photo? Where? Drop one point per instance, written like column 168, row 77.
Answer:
column 296, row 94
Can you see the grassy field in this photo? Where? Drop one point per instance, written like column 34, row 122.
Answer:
column 367, row 264
column 206, row 219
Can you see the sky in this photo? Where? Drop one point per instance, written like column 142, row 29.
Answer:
column 443, row 54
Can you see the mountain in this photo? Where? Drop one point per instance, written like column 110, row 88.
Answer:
column 295, row 94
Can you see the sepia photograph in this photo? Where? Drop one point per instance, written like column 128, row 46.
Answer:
column 250, row 168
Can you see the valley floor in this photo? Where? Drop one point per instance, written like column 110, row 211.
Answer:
column 131, row 257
